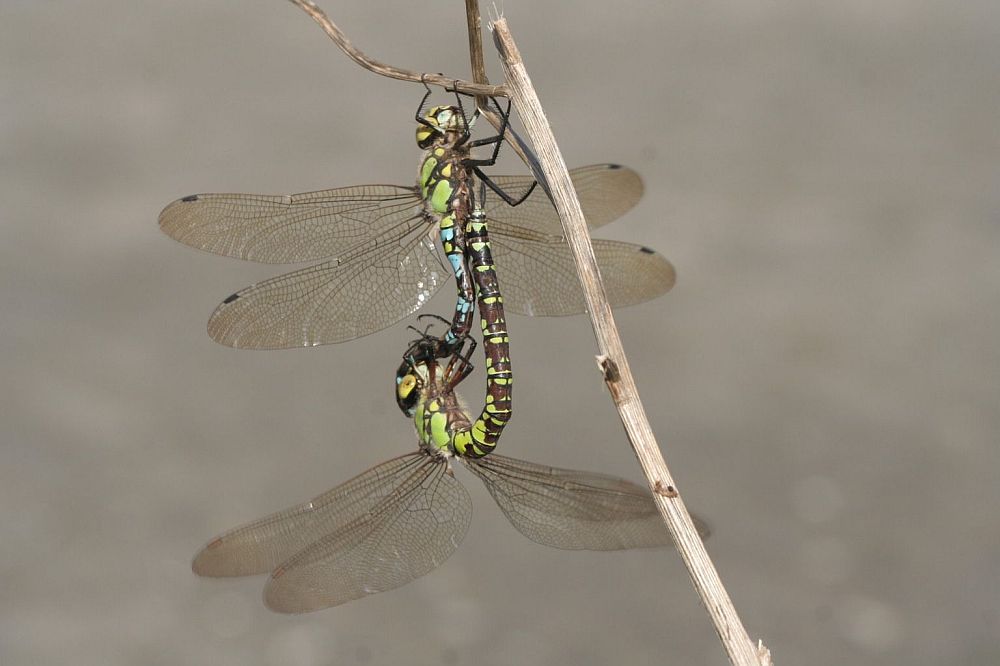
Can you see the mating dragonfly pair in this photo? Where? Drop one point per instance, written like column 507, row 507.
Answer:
column 402, row 518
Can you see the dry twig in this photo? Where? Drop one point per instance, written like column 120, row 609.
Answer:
column 614, row 364
column 476, row 49
column 372, row 65
column 480, row 88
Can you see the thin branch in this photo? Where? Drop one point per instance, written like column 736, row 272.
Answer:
column 391, row 71
column 480, row 86
column 614, row 364
column 472, row 19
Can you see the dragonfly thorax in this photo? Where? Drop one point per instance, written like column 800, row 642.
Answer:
column 425, row 393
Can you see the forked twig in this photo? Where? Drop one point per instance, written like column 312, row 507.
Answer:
column 614, row 364
column 372, row 65
column 480, row 87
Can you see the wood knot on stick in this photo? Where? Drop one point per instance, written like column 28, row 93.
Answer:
column 609, row 369
column 664, row 490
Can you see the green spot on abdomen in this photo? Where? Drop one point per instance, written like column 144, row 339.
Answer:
column 462, row 441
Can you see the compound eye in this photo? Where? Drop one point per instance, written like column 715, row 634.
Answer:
column 445, row 118
column 406, row 386
column 433, row 114
column 425, row 136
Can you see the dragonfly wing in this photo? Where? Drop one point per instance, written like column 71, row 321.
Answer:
column 260, row 546
column 405, row 536
column 333, row 301
column 606, row 192
column 538, row 276
column 281, row 229
column 569, row 509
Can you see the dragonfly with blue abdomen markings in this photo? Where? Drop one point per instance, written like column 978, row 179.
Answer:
column 377, row 242
column 402, row 518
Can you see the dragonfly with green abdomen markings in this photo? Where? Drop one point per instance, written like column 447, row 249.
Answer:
column 380, row 259
column 404, row 517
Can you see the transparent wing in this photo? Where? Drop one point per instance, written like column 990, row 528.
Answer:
column 606, row 191
column 334, row 301
column 538, row 276
column 260, row 546
column 290, row 228
column 574, row 510
column 403, row 537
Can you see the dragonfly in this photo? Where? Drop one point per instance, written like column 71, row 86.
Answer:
column 378, row 258
column 404, row 517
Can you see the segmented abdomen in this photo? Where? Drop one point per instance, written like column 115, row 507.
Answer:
column 444, row 187
column 481, row 439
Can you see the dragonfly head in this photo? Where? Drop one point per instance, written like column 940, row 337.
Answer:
column 441, row 121
column 408, row 389
column 413, row 373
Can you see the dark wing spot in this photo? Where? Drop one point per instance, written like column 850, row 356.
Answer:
column 614, row 166
column 647, row 250
column 231, row 299
column 190, row 197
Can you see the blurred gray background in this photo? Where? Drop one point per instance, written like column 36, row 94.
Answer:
column 823, row 379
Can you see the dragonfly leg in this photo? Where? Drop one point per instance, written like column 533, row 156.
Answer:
column 506, row 196
column 460, row 365
column 495, row 141
column 431, row 315
column 421, row 350
column 422, row 343
column 445, row 345
column 469, row 122
column 428, row 346
column 419, row 116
